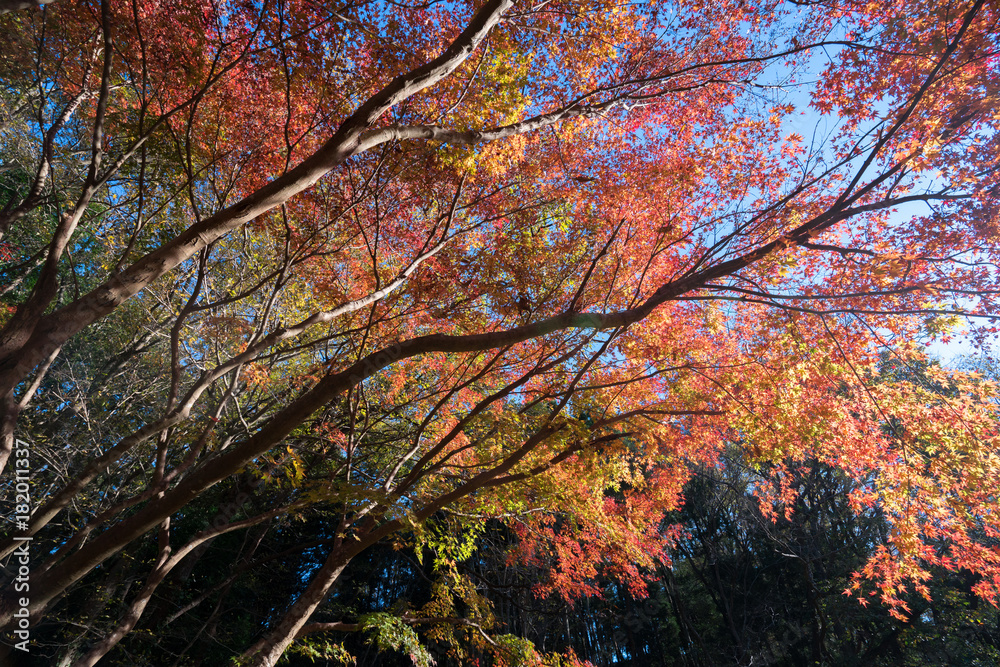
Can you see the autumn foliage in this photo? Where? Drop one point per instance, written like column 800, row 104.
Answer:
column 403, row 270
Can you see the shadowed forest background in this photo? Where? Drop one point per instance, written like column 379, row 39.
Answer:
column 741, row 590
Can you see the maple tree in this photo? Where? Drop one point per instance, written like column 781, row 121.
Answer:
column 378, row 262
column 739, row 589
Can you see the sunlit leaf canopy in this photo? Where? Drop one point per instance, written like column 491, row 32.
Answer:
column 505, row 260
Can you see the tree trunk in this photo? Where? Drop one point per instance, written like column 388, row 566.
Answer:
column 267, row 651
